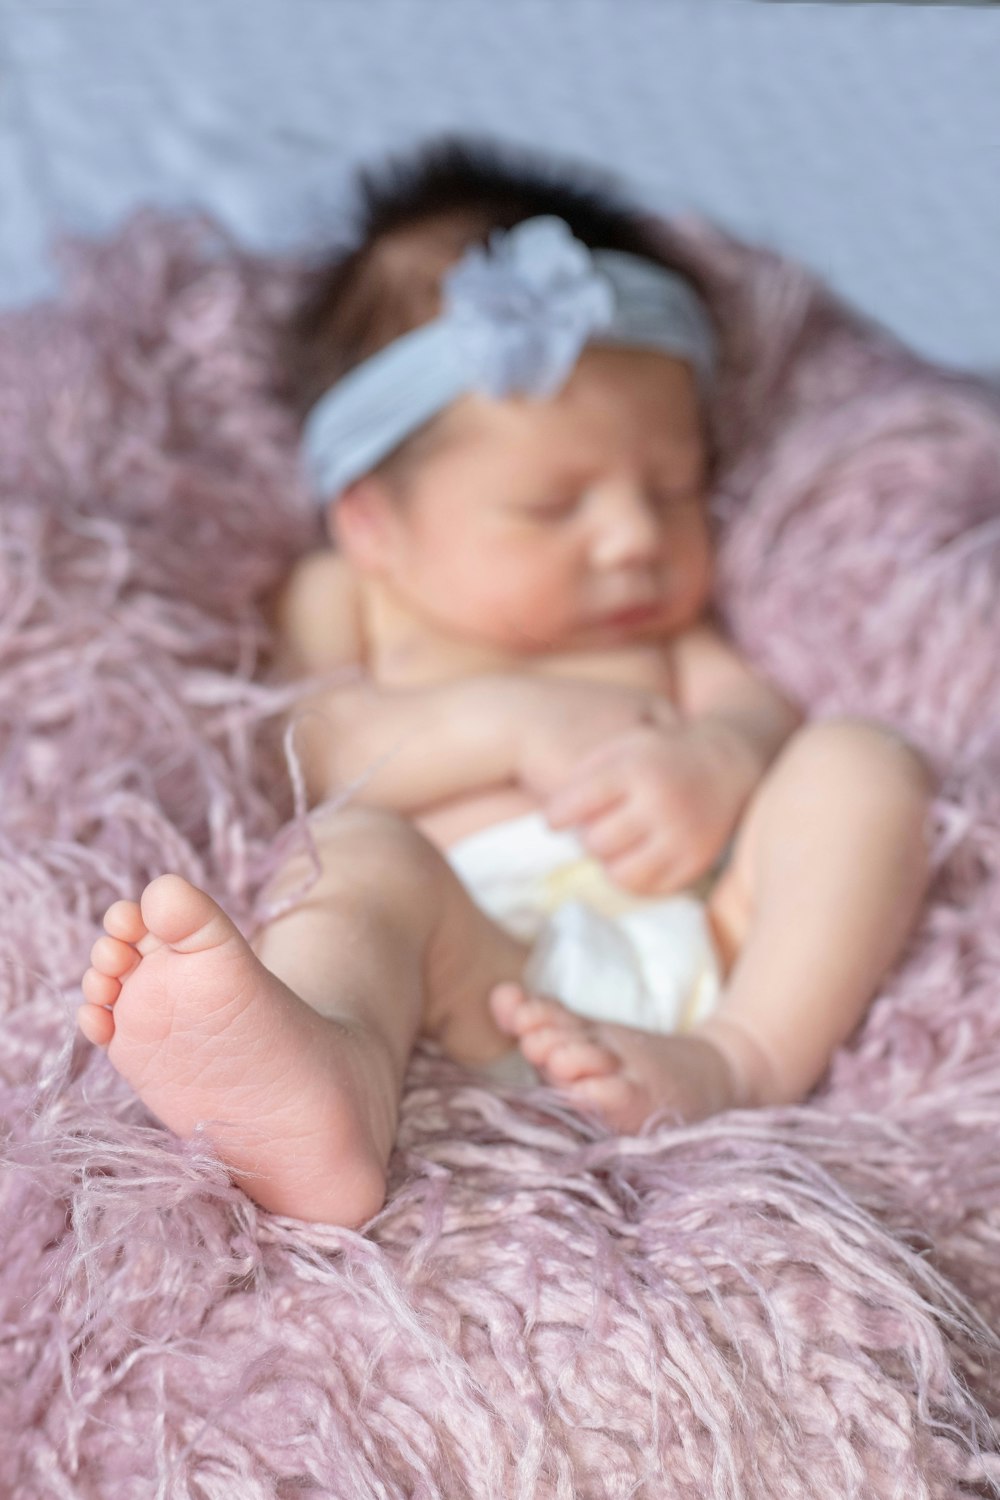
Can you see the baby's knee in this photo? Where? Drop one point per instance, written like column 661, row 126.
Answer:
column 353, row 823
column 357, row 848
column 373, row 837
column 870, row 758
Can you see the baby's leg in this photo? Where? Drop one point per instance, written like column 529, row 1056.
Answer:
column 293, row 1060
column 825, row 883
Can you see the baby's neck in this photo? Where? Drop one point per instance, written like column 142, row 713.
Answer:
column 406, row 649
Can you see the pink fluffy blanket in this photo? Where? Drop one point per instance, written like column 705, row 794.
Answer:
column 784, row 1303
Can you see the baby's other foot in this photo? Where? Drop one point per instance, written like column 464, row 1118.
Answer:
column 618, row 1072
column 206, row 1035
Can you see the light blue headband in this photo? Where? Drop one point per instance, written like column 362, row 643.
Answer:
column 516, row 316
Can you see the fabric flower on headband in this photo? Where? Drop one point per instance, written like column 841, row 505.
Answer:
column 523, row 308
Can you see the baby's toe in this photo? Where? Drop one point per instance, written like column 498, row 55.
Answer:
column 505, row 1001
column 612, row 1098
column 96, row 1024
column 517, row 1012
column 539, row 1045
column 572, row 1060
column 186, row 918
column 124, row 920
column 100, row 988
column 110, row 955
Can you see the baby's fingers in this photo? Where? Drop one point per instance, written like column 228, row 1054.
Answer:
column 616, row 832
column 584, row 798
column 650, row 868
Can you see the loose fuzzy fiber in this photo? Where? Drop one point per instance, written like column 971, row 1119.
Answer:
column 792, row 1303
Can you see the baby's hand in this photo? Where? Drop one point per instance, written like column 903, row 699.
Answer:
column 560, row 722
column 655, row 805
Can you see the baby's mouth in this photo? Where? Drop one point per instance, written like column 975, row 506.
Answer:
column 633, row 613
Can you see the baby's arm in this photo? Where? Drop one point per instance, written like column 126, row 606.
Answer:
column 350, row 731
column 408, row 748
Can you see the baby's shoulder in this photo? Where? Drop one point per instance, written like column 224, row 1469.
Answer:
column 709, row 667
column 702, row 643
column 317, row 615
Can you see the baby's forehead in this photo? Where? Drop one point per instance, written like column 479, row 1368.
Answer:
column 619, row 399
column 522, row 441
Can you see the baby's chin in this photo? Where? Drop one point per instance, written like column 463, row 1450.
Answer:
column 598, row 636
column 635, row 627
column 614, row 630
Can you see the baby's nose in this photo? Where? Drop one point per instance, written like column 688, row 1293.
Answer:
column 629, row 527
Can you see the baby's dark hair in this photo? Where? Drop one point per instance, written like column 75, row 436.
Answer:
column 416, row 215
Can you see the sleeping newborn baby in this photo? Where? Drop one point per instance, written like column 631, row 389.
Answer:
column 582, row 835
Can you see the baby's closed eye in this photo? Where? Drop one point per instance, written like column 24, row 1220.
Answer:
column 555, row 508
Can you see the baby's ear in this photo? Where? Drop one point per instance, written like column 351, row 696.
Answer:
column 360, row 521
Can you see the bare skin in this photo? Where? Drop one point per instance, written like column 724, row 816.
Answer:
column 285, row 1094
column 837, row 828
column 396, row 948
column 297, row 1083
column 558, row 655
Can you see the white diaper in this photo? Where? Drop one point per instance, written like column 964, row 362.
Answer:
column 642, row 961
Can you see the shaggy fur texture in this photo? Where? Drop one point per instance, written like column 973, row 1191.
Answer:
column 785, row 1303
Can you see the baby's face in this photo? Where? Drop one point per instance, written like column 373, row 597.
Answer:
column 568, row 524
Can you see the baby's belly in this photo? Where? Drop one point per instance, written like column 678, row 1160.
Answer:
column 445, row 824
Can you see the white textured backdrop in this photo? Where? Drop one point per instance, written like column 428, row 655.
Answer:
column 864, row 139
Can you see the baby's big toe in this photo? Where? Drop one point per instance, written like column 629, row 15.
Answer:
column 505, row 1002
column 517, row 1012
column 183, row 916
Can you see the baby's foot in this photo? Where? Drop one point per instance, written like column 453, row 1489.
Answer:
column 204, row 1033
column 622, row 1074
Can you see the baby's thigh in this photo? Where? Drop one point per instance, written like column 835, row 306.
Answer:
column 389, row 884
column 846, row 801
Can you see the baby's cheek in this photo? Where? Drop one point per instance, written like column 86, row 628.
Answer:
column 523, row 628
column 526, row 609
column 548, row 617
column 689, row 566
